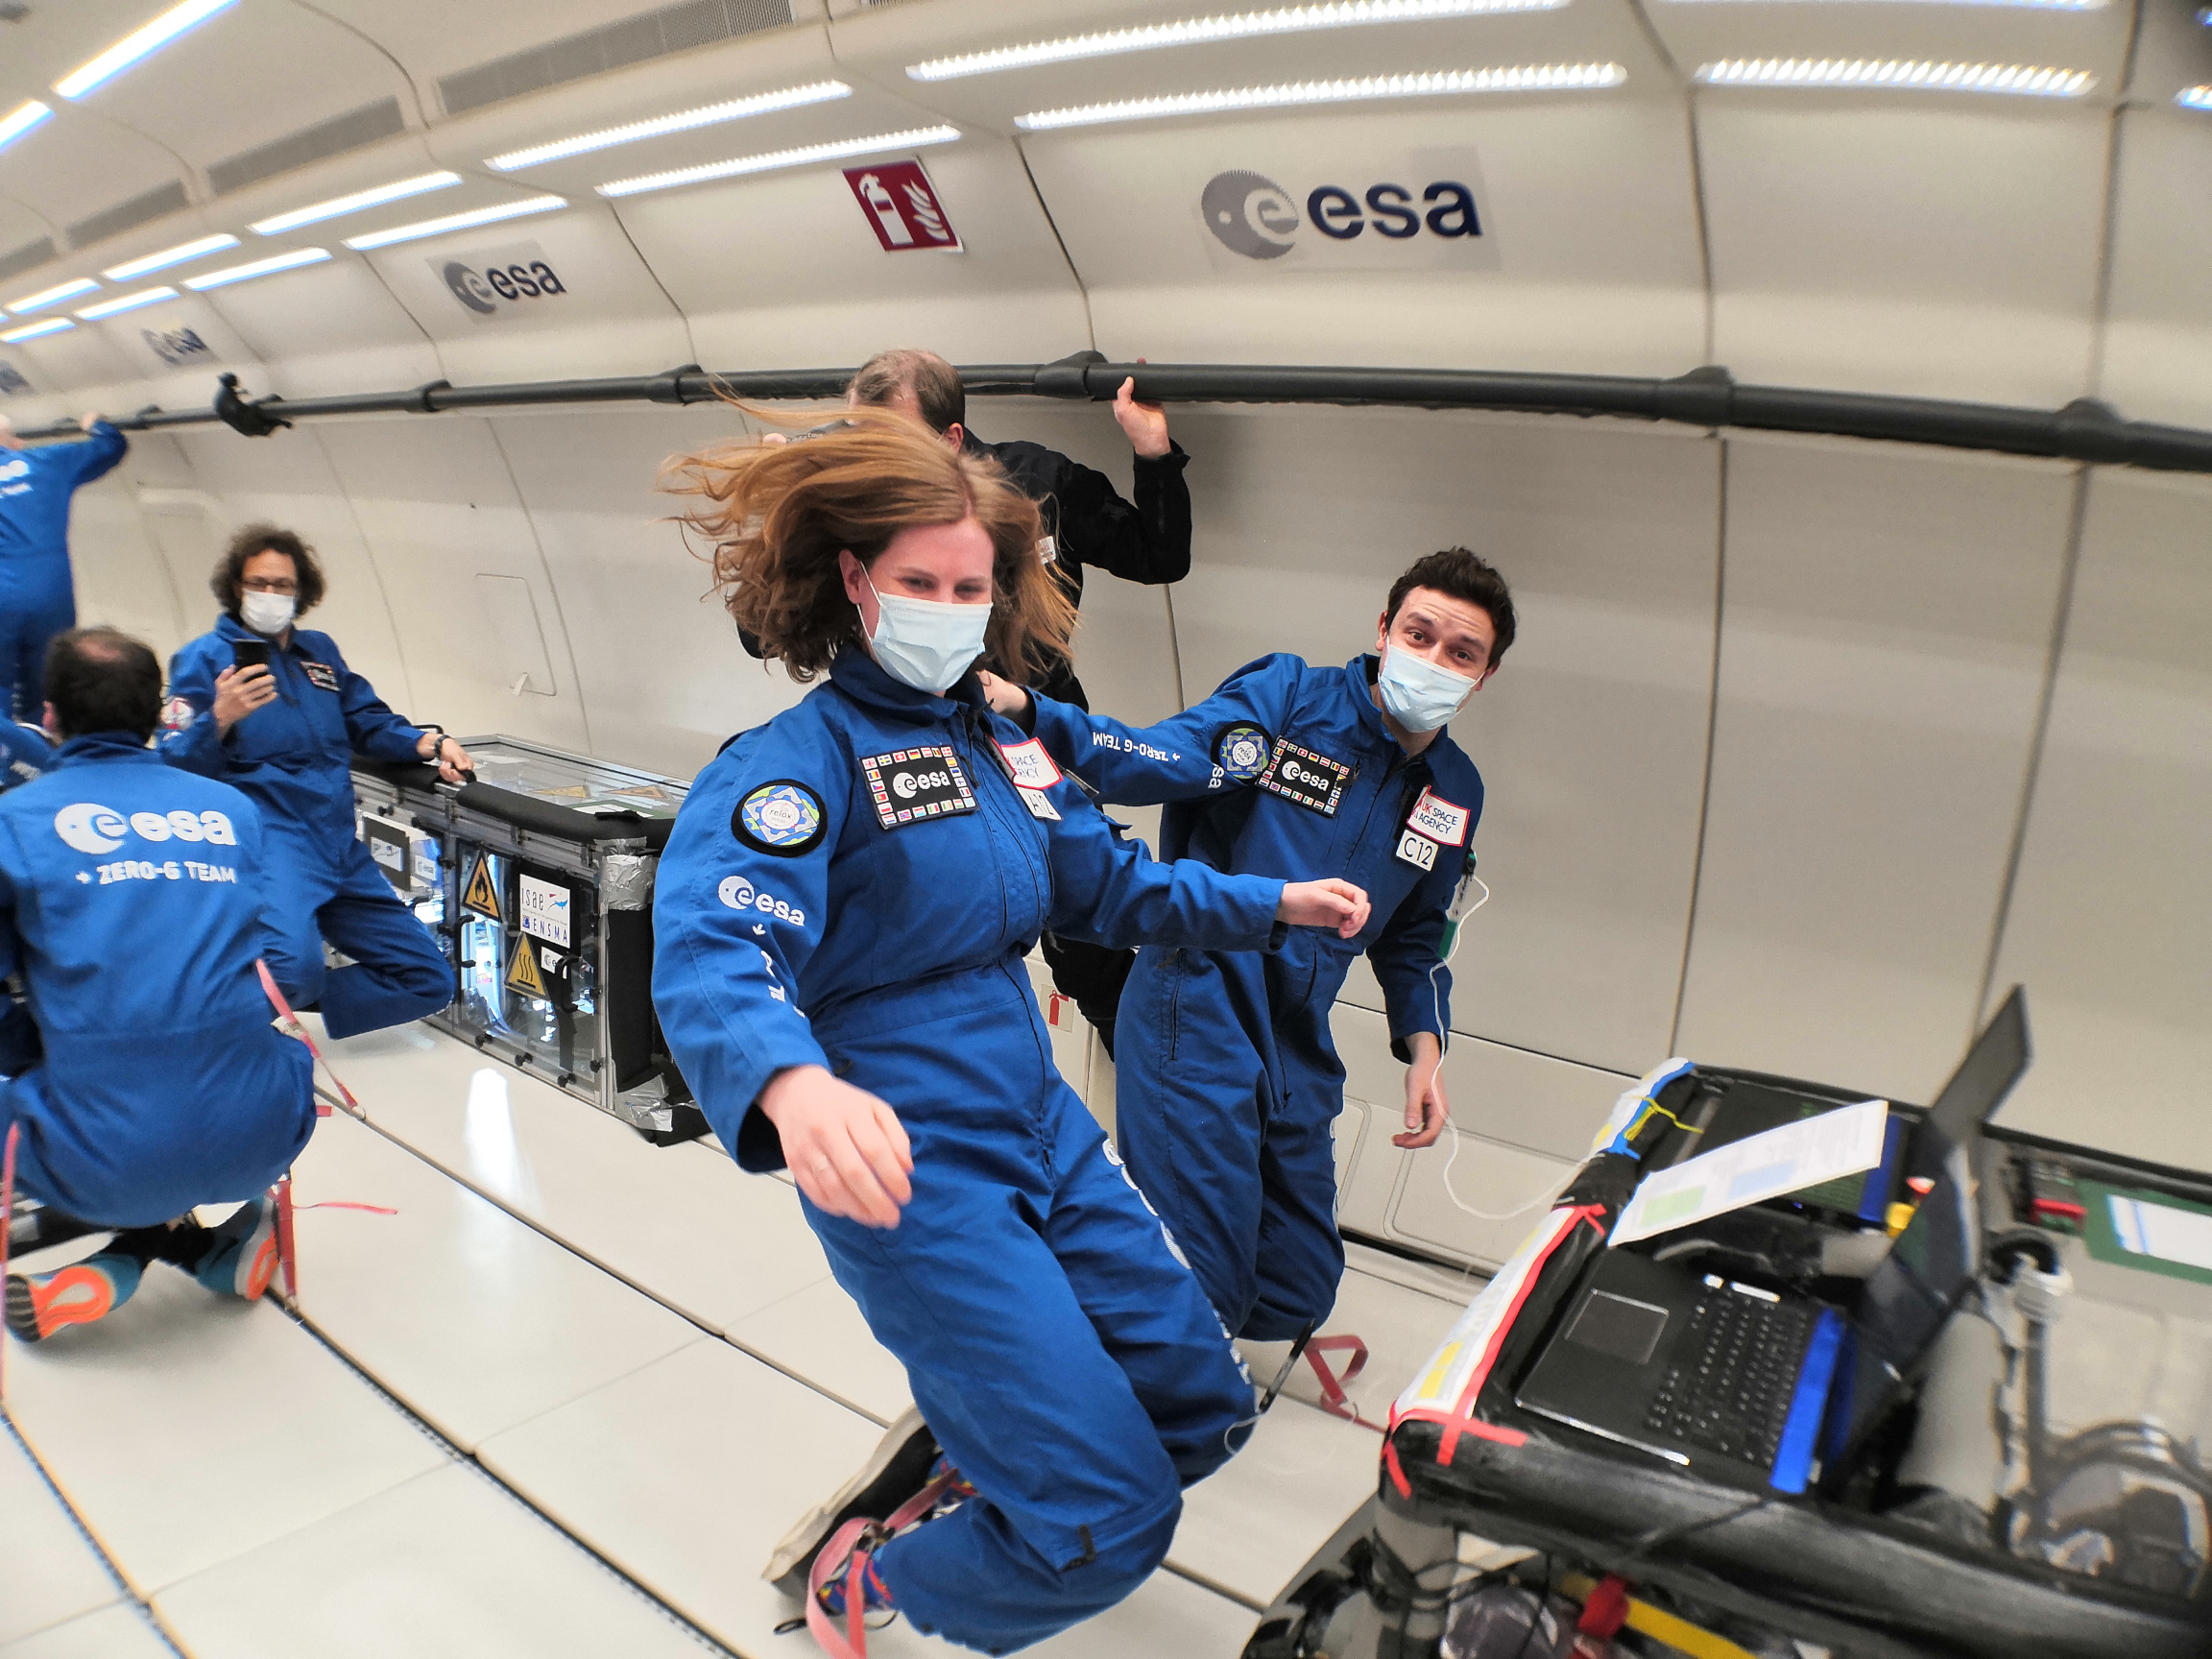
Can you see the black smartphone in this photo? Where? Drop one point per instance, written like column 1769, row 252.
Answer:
column 249, row 653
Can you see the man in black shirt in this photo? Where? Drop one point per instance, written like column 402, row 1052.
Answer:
column 1086, row 523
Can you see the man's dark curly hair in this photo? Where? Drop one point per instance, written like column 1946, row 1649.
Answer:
column 230, row 568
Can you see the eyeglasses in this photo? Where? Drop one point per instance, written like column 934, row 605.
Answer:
column 283, row 585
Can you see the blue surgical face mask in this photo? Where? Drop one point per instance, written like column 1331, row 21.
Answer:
column 926, row 645
column 1419, row 696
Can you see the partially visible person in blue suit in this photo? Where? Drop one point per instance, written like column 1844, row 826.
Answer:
column 141, row 1076
column 285, row 734
column 37, row 599
column 26, row 751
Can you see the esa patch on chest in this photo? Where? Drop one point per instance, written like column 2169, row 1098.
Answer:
column 782, row 817
column 910, row 785
column 1313, row 780
column 320, row 675
column 1242, row 750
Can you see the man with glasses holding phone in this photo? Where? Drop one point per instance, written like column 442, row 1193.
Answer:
column 273, row 709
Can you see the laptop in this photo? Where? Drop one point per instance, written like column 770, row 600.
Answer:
column 1754, row 1384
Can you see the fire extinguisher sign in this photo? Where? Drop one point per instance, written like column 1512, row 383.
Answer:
column 901, row 207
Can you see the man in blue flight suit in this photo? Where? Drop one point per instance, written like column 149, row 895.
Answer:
column 141, row 1075
column 37, row 600
column 1227, row 1078
column 285, row 734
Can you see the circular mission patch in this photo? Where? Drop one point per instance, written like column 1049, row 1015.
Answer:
column 1242, row 752
column 784, row 817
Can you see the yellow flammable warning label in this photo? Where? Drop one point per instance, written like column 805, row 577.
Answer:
column 481, row 893
column 522, row 971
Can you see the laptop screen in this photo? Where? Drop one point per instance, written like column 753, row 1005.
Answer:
column 1979, row 1087
column 1907, row 1299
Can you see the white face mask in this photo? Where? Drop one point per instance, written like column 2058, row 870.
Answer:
column 1419, row 696
column 269, row 614
column 923, row 643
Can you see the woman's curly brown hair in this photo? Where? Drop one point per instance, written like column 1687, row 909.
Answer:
column 231, row 567
column 779, row 515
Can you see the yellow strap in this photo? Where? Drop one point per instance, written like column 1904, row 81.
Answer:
column 1692, row 1639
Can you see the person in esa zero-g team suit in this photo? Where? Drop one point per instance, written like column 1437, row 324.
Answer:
column 840, row 918
column 141, row 1076
column 38, row 594
column 1228, row 1082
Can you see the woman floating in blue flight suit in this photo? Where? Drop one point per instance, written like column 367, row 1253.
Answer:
column 841, row 918
column 38, row 596
column 285, row 734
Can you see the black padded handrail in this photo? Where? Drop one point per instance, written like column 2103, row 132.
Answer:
column 2085, row 430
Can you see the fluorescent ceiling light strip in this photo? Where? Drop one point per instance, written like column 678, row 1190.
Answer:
column 707, row 115
column 1197, row 30
column 20, row 120
column 913, row 138
column 339, row 205
column 128, row 302
column 169, row 256
column 230, row 273
column 1898, row 73
column 39, row 301
column 52, row 326
column 2194, row 97
column 457, row 222
column 139, row 44
column 1527, row 77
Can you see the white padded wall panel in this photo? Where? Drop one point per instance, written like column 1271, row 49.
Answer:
column 2108, row 923
column 658, row 660
column 1588, row 261
column 116, row 558
column 1887, row 620
column 1522, row 1122
column 287, row 480
column 326, row 331
column 782, row 269
column 2157, row 349
column 610, row 318
column 1903, row 244
column 438, row 508
column 1590, row 739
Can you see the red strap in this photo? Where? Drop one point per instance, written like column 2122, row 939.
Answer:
column 852, row 1643
column 7, row 1235
column 1332, row 1397
column 293, row 1028
column 1607, row 1608
column 287, row 1257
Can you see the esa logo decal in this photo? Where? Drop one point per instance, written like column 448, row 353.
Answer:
column 1425, row 212
column 91, row 828
column 497, row 281
column 174, row 346
column 11, row 381
column 740, row 894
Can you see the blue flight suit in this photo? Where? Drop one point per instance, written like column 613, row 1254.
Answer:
column 854, row 885
column 37, row 600
column 25, row 753
column 142, row 1067
column 293, row 756
column 1226, row 1082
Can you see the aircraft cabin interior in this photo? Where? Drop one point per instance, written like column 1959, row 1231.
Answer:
column 1828, row 380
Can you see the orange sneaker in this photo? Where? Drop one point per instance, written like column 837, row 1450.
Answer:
column 40, row 1304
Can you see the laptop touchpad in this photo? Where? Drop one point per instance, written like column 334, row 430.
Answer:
column 1614, row 1324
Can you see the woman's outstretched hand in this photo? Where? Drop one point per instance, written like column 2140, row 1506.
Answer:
column 846, row 1148
column 1004, row 697
column 1331, row 902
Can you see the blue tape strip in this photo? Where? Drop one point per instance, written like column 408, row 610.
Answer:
column 1794, row 1457
column 1620, row 1136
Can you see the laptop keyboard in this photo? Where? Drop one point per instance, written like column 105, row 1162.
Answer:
column 1734, row 1375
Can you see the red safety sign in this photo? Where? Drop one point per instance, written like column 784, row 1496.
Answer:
column 902, row 207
